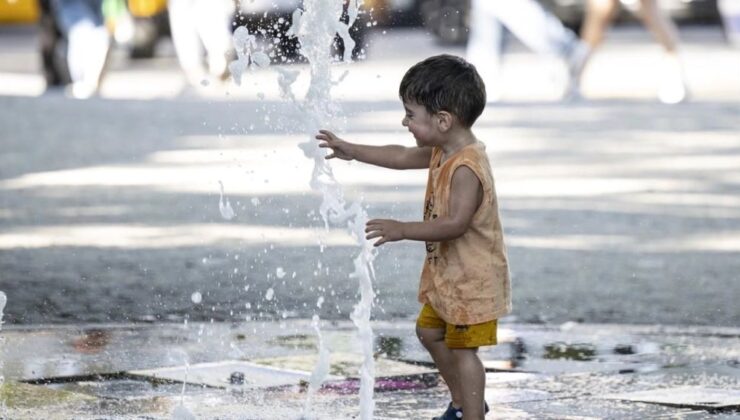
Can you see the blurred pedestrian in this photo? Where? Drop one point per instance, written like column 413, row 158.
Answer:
column 82, row 25
column 199, row 25
column 538, row 29
column 730, row 12
column 600, row 13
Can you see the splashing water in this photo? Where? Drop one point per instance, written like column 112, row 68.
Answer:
column 224, row 206
column 247, row 55
column 315, row 30
column 3, row 301
column 315, row 27
column 321, row 371
column 181, row 412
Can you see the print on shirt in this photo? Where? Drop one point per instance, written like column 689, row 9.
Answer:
column 432, row 254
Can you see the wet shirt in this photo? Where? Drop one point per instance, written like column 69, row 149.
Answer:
column 466, row 280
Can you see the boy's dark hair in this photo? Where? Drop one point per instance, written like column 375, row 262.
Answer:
column 445, row 83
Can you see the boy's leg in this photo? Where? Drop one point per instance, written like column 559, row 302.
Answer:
column 433, row 339
column 468, row 365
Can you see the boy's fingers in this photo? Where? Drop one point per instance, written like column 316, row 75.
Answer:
column 373, row 228
column 331, row 156
column 373, row 235
column 326, row 133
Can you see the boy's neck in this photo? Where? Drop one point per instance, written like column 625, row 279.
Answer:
column 457, row 138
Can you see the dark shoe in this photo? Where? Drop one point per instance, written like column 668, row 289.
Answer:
column 453, row 413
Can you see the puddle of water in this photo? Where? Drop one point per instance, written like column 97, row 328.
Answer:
column 566, row 351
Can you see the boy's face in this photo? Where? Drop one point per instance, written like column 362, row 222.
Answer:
column 420, row 123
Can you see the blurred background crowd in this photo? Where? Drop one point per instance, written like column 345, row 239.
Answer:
column 76, row 36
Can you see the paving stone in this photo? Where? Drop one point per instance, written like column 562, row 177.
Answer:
column 219, row 374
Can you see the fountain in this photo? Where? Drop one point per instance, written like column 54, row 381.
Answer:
column 315, row 26
column 3, row 301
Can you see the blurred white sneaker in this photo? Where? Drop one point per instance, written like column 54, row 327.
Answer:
column 82, row 90
column 672, row 88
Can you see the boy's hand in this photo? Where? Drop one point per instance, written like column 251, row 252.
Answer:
column 387, row 230
column 340, row 148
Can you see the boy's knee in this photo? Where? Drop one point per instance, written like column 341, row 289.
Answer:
column 430, row 335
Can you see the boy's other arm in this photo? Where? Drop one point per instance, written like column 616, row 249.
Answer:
column 392, row 156
column 466, row 195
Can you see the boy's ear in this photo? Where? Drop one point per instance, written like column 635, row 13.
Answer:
column 444, row 120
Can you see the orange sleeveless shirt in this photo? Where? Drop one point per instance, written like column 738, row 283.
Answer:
column 466, row 280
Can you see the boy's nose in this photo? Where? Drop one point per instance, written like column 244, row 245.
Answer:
column 405, row 122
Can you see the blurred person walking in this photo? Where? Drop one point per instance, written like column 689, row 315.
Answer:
column 202, row 27
column 82, row 25
column 600, row 14
column 537, row 28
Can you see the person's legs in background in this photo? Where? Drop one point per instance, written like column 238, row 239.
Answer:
column 538, row 29
column 599, row 15
column 88, row 43
column 544, row 33
column 485, row 47
column 183, row 21
column 672, row 86
column 214, row 28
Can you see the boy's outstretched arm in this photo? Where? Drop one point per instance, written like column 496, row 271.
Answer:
column 466, row 195
column 392, row 156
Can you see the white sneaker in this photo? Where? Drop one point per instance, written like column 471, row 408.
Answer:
column 672, row 85
column 82, row 90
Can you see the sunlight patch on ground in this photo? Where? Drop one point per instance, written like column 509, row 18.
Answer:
column 581, row 187
column 708, row 242
column 165, row 236
column 721, row 242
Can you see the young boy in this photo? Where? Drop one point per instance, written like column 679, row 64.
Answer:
column 465, row 284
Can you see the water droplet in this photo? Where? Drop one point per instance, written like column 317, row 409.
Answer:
column 320, row 302
column 270, row 294
column 224, row 206
column 279, row 272
column 196, row 297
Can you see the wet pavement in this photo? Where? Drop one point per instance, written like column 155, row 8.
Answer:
column 571, row 371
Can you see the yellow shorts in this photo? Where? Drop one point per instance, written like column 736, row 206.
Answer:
column 459, row 336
